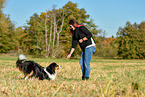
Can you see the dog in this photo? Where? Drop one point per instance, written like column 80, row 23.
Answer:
column 33, row 69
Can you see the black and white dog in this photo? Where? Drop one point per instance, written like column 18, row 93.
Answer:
column 31, row 68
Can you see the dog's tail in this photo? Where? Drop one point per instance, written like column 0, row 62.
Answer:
column 22, row 57
column 19, row 61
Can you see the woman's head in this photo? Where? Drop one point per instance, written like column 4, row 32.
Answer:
column 73, row 21
column 73, row 24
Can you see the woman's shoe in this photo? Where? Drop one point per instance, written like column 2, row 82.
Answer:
column 83, row 78
column 86, row 78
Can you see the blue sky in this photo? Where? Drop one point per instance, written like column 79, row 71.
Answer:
column 109, row 15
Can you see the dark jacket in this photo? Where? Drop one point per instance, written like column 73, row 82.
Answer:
column 80, row 33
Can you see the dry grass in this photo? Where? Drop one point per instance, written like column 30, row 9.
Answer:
column 108, row 78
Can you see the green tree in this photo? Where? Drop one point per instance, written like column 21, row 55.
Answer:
column 106, row 47
column 49, row 32
column 141, row 40
column 7, row 32
column 18, row 36
column 7, row 38
column 131, row 41
column 33, row 39
column 2, row 2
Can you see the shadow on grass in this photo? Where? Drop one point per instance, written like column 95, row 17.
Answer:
column 70, row 79
column 58, row 78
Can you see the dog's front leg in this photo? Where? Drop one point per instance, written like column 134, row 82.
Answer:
column 36, row 78
column 28, row 75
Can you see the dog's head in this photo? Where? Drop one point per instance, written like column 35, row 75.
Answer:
column 54, row 66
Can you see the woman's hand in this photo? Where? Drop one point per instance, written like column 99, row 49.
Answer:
column 68, row 56
column 81, row 40
column 84, row 39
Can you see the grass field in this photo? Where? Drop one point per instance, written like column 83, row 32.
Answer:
column 108, row 78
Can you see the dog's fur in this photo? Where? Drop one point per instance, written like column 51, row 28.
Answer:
column 31, row 68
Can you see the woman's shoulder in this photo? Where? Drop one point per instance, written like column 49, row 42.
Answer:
column 83, row 28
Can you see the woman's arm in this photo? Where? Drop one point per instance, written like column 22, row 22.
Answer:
column 72, row 50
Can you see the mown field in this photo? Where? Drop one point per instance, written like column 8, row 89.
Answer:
column 108, row 78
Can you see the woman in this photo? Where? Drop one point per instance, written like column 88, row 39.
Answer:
column 80, row 34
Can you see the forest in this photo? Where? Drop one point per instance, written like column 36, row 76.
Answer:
column 47, row 35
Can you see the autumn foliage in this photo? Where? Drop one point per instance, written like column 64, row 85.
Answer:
column 47, row 35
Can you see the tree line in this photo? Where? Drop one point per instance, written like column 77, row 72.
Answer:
column 131, row 41
column 47, row 35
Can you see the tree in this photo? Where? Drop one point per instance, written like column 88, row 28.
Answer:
column 49, row 32
column 141, row 40
column 34, row 42
column 131, row 41
column 18, row 35
column 58, row 20
column 106, row 47
column 2, row 2
column 45, row 17
column 7, row 31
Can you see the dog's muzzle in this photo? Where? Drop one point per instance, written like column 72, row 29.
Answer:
column 59, row 66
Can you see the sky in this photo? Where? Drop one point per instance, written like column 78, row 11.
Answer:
column 108, row 15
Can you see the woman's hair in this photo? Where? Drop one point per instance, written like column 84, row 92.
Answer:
column 77, row 24
column 73, row 21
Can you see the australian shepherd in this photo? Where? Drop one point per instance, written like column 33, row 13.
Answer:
column 31, row 68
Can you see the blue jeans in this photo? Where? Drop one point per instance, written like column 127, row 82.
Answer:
column 87, row 55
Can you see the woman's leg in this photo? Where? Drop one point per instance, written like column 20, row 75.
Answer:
column 82, row 65
column 88, row 55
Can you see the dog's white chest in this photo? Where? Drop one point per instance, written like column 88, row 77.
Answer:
column 51, row 76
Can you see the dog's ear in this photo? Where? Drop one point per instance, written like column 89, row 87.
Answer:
column 53, row 64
